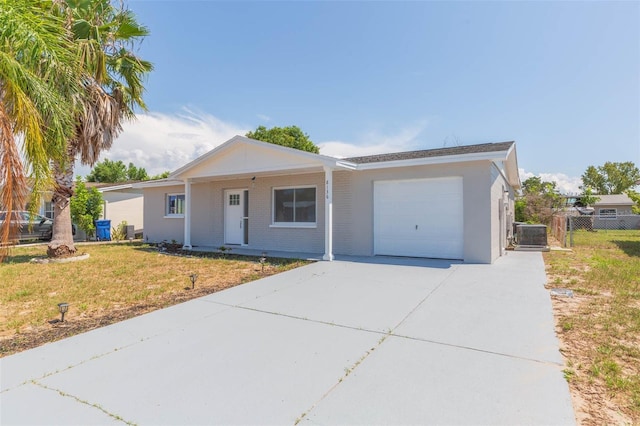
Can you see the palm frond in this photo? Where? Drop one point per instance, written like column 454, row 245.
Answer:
column 13, row 182
column 37, row 77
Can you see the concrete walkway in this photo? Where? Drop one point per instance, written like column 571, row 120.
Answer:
column 345, row 342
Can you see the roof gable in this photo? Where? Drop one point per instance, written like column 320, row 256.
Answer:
column 241, row 155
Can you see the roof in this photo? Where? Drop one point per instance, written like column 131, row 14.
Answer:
column 503, row 154
column 622, row 199
column 295, row 156
column 111, row 186
column 429, row 153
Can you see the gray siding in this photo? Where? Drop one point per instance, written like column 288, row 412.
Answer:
column 352, row 210
column 158, row 228
column 207, row 218
column 498, row 186
column 353, row 206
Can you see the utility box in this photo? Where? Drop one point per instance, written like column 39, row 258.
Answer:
column 532, row 235
column 131, row 233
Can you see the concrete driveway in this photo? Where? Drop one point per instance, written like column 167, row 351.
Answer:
column 344, row 342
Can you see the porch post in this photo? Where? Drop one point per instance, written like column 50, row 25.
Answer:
column 328, row 214
column 187, row 215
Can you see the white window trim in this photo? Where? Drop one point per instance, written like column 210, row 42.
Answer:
column 608, row 216
column 166, row 206
column 292, row 224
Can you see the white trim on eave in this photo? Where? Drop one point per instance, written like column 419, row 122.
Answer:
column 456, row 158
column 115, row 187
column 158, row 183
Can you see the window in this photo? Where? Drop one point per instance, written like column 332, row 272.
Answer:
column 294, row 206
column 175, row 205
column 234, row 199
column 48, row 209
column 608, row 213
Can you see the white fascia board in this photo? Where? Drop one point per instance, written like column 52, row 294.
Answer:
column 511, row 167
column 158, row 183
column 115, row 187
column 458, row 158
column 346, row 165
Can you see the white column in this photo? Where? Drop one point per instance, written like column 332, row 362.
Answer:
column 187, row 215
column 328, row 214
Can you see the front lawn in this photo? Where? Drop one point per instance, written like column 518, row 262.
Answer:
column 116, row 282
column 599, row 327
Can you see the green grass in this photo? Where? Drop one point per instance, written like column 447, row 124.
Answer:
column 602, row 333
column 115, row 277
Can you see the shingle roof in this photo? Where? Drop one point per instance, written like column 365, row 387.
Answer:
column 613, row 199
column 438, row 152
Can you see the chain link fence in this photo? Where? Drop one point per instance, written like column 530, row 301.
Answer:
column 563, row 226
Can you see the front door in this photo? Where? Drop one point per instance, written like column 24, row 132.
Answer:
column 235, row 217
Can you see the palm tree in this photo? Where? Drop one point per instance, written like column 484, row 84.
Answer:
column 112, row 90
column 38, row 69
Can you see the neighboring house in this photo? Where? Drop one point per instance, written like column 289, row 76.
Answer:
column 452, row 203
column 614, row 212
column 613, row 205
column 121, row 202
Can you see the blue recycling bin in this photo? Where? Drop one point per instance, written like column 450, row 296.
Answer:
column 103, row 230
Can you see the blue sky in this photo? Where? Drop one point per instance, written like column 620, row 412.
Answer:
column 562, row 79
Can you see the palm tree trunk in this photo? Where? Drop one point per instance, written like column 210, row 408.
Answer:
column 62, row 237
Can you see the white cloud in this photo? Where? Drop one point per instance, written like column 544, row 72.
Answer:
column 373, row 142
column 160, row 142
column 566, row 184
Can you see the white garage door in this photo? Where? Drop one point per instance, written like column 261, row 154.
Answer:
column 419, row 217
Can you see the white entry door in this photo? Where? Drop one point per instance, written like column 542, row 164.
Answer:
column 235, row 217
column 419, row 217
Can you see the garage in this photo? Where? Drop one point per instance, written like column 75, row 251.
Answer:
column 419, row 218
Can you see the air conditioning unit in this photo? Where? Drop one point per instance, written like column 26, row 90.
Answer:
column 532, row 235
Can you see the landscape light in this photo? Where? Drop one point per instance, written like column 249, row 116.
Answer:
column 263, row 259
column 193, row 277
column 63, row 308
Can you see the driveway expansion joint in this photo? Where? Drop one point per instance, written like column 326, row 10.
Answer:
column 348, row 371
column 82, row 401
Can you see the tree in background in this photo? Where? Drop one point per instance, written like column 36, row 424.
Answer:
column 162, row 175
column 538, row 202
column 291, row 137
column 86, row 207
column 612, row 178
column 115, row 171
column 587, row 198
column 635, row 197
column 105, row 35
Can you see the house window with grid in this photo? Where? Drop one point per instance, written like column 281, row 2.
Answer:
column 175, row 205
column 294, row 206
column 48, row 209
column 608, row 213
